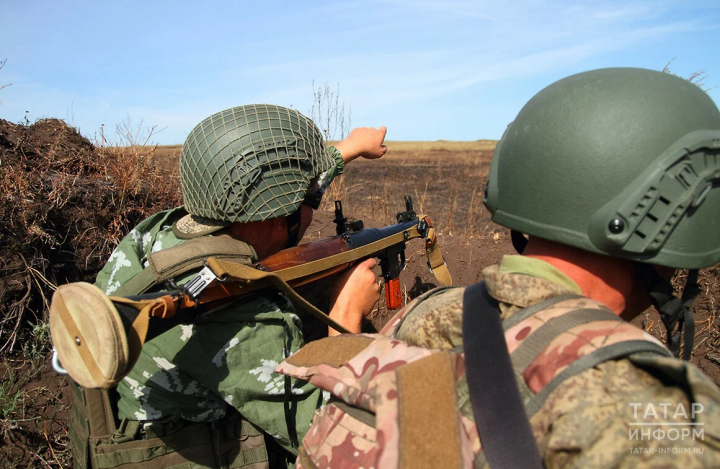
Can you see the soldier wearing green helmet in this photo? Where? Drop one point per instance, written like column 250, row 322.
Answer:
column 206, row 394
column 614, row 175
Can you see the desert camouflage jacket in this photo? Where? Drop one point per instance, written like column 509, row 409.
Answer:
column 400, row 398
column 196, row 372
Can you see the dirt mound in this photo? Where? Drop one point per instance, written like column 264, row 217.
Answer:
column 65, row 205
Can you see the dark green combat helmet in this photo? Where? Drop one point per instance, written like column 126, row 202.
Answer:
column 621, row 161
column 251, row 163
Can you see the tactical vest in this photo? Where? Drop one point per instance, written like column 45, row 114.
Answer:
column 100, row 440
column 395, row 405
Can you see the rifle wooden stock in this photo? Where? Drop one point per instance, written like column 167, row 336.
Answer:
column 305, row 253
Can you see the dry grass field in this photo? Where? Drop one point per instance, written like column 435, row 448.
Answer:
column 165, row 151
column 445, row 179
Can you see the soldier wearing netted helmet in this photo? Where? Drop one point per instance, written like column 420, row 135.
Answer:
column 206, row 394
column 614, row 175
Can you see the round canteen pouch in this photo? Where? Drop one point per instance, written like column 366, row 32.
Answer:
column 88, row 334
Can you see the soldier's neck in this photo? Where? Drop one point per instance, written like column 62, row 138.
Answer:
column 609, row 280
column 266, row 237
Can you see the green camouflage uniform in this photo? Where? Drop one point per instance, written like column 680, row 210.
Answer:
column 196, row 372
column 621, row 413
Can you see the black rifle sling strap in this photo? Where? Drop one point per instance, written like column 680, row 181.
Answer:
column 503, row 425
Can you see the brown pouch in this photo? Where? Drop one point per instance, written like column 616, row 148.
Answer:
column 88, row 334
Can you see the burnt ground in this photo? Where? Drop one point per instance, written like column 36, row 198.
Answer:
column 66, row 203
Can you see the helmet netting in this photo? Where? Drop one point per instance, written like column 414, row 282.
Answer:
column 251, row 163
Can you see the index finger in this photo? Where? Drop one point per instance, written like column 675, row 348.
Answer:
column 370, row 263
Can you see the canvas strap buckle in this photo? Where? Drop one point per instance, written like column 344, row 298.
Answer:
column 197, row 284
column 127, row 431
column 159, row 428
column 432, row 271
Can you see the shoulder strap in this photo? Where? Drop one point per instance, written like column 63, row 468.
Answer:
column 525, row 313
column 611, row 352
column 180, row 259
column 256, row 278
column 535, row 343
column 502, row 423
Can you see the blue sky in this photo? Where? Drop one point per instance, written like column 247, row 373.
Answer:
column 428, row 70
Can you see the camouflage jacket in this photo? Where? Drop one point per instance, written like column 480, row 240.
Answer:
column 196, row 372
column 400, row 398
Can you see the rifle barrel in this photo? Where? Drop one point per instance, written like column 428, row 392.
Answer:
column 370, row 235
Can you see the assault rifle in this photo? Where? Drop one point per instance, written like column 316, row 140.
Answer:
column 98, row 338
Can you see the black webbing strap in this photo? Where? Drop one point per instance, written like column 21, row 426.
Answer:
column 676, row 313
column 504, row 429
column 293, row 227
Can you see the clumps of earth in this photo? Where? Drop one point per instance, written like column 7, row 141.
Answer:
column 65, row 204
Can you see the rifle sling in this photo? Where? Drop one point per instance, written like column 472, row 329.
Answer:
column 253, row 279
column 437, row 265
column 256, row 278
column 248, row 275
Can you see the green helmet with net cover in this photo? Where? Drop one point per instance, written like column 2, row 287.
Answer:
column 620, row 161
column 251, row 163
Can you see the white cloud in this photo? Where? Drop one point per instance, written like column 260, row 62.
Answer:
column 420, row 75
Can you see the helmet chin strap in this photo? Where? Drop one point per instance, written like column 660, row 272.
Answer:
column 293, row 227
column 676, row 313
